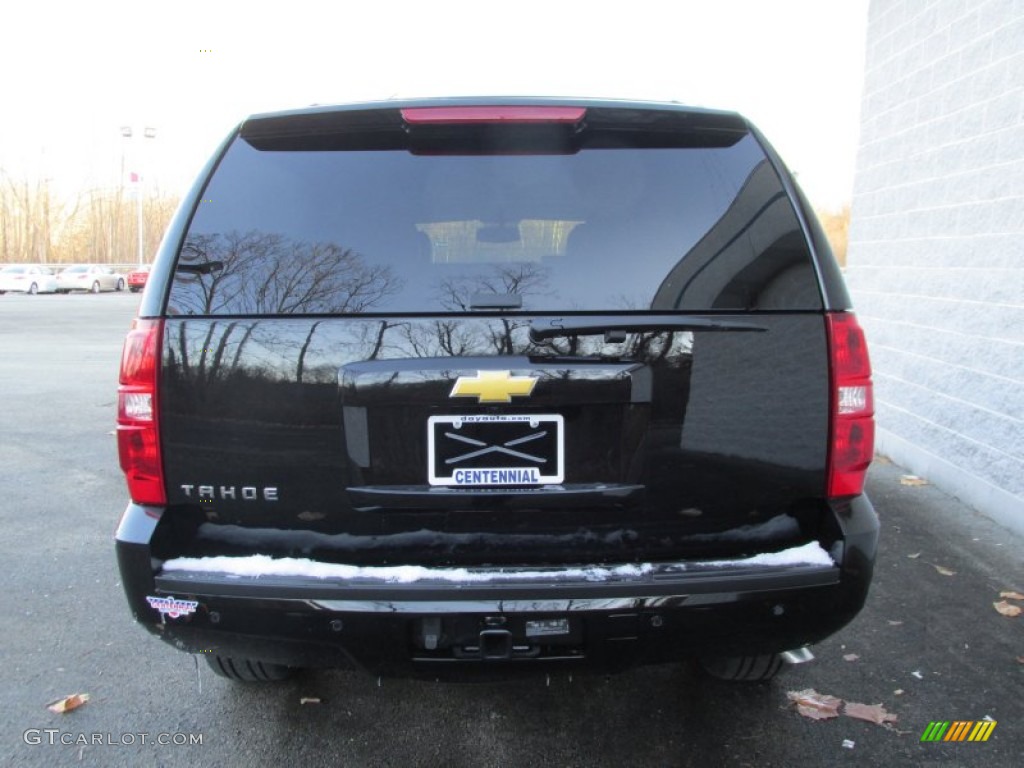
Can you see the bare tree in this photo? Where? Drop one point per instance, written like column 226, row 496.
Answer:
column 38, row 225
column 837, row 228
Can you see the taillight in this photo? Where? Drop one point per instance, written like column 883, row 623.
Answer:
column 852, row 426
column 138, row 434
column 492, row 114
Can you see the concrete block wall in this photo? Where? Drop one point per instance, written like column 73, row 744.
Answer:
column 936, row 253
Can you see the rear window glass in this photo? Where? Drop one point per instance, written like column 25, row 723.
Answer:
column 389, row 231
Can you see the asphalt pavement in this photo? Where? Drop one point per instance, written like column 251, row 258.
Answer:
column 929, row 646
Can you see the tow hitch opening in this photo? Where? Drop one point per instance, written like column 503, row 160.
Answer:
column 495, row 644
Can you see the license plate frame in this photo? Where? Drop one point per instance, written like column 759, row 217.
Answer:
column 483, row 441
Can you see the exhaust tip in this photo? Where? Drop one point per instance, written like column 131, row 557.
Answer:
column 797, row 656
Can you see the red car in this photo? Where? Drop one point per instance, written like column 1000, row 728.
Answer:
column 137, row 278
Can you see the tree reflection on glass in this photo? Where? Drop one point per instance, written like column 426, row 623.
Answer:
column 523, row 280
column 265, row 273
column 259, row 273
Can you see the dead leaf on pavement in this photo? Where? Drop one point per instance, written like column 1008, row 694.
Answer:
column 68, row 703
column 1012, row 595
column 914, row 556
column 943, row 570
column 912, row 480
column 873, row 713
column 893, row 623
column 821, row 706
column 850, row 657
column 1006, row 609
column 309, row 700
column 816, row 706
column 1020, row 659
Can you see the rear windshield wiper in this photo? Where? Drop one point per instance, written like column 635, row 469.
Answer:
column 615, row 328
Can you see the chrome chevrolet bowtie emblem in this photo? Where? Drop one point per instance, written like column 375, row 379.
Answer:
column 493, row 386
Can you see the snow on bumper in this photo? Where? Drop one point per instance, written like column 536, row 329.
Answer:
column 261, row 566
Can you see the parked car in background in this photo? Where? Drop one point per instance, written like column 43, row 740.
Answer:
column 27, row 278
column 137, row 278
column 89, row 277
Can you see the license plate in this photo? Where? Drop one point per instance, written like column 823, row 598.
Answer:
column 495, row 450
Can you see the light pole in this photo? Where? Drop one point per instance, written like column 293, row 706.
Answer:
column 149, row 133
column 126, row 133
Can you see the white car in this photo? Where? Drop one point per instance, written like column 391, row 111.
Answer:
column 27, row 278
column 89, row 277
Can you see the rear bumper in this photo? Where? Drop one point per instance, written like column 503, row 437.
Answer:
column 670, row 612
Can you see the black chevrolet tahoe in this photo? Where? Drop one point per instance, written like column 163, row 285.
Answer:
column 489, row 385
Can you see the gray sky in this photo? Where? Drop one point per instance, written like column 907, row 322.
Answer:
column 74, row 72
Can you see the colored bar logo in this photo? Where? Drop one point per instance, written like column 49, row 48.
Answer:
column 958, row 730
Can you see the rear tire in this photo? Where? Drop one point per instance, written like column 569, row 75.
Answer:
column 33, row 289
column 743, row 669
column 120, row 285
column 248, row 670
column 95, row 287
column 133, row 289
